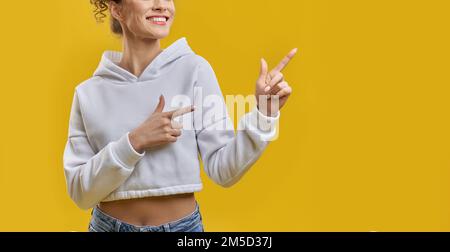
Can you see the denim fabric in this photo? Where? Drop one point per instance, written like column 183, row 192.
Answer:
column 101, row 222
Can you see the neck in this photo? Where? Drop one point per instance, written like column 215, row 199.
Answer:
column 138, row 53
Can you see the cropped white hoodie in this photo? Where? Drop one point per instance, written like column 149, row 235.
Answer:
column 100, row 164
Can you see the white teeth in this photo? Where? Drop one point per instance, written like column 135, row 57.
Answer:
column 158, row 19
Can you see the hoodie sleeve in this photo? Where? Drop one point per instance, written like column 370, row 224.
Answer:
column 227, row 156
column 90, row 176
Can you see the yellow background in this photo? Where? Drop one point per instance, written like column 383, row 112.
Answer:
column 364, row 140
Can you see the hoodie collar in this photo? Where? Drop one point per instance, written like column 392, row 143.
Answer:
column 109, row 69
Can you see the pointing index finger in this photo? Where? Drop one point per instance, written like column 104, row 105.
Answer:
column 180, row 112
column 285, row 61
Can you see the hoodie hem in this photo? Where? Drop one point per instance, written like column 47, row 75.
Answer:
column 154, row 192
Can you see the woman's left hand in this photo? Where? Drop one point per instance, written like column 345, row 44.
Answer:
column 272, row 86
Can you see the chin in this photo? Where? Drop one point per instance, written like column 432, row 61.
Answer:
column 157, row 34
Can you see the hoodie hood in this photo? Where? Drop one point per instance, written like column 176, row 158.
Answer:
column 109, row 69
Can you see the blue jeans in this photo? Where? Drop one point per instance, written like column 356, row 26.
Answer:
column 101, row 222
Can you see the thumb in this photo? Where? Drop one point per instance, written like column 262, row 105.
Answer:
column 263, row 71
column 160, row 106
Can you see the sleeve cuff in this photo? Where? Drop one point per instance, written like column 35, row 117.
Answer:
column 264, row 126
column 125, row 153
column 269, row 119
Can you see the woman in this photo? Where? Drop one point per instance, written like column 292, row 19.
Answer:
column 127, row 156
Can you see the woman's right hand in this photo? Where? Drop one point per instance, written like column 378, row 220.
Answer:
column 159, row 128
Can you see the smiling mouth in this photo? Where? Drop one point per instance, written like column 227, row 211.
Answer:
column 158, row 20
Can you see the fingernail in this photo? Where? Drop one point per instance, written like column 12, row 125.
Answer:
column 267, row 89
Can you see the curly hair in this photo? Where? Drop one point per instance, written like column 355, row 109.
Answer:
column 100, row 7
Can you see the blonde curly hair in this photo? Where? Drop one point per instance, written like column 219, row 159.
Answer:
column 100, row 7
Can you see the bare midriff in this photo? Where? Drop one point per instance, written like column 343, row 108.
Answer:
column 151, row 211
